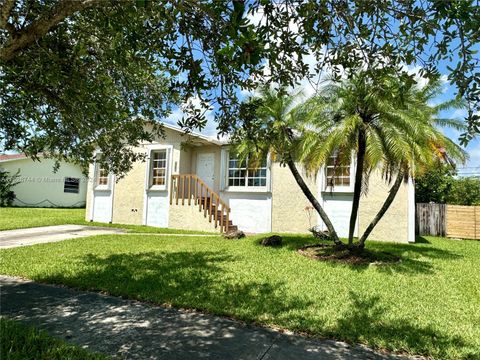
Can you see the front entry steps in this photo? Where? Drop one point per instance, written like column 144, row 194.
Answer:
column 209, row 211
column 189, row 189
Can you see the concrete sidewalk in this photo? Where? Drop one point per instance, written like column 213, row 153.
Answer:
column 45, row 234
column 135, row 330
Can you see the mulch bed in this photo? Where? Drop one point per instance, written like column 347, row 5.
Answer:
column 327, row 252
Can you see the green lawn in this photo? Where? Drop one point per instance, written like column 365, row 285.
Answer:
column 426, row 304
column 20, row 342
column 19, row 218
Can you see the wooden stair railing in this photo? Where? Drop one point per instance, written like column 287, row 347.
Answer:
column 190, row 188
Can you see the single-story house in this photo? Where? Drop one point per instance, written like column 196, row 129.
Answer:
column 40, row 186
column 194, row 182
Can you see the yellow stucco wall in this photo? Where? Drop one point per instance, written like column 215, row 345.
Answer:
column 39, row 183
column 188, row 217
column 288, row 210
column 289, row 202
column 394, row 224
column 129, row 193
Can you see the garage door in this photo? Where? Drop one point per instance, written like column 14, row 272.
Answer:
column 338, row 208
column 157, row 208
column 102, row 206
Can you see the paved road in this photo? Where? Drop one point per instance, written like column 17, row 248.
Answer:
column 135, row 330
column 44, row 234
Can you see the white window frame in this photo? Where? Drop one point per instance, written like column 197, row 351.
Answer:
column 244, row 188
column 168, row 163
column 165, row 168
column 339, row 188
column 99, row 186
column 69, row 179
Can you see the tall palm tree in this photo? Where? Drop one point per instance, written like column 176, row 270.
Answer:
column 270, row 130
column 386, row 124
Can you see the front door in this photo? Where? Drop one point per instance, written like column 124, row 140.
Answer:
column 206, row 168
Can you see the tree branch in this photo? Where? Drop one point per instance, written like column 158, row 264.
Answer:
column 388, row 201
column 306, row 191
column 40, row 27
column 5, row 11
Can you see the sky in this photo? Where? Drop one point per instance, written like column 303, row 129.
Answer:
column 471, row 168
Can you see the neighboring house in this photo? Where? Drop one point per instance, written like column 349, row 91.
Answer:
column 194, row 182
column 40, row 186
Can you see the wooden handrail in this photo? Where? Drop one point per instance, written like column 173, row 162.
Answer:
column 183, row 190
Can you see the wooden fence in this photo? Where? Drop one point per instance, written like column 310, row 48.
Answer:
column 453, row 221
column 463, row 222
column 430, row 219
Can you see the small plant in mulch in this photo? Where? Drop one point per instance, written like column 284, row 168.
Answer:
column 333, row 253
column 274, row 240
column 320, row 234
column 235, row 234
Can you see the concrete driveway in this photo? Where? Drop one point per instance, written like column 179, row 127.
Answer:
column 45, row 234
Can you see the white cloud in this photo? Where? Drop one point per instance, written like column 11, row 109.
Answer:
column 211, row 127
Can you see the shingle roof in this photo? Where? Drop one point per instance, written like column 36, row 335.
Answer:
column 6, row 157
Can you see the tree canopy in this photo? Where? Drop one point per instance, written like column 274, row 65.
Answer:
column 384, row 125
column 441, row 185
column 75, row 74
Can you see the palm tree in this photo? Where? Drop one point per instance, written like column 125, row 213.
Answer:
column 386, row 124
column 269, row 124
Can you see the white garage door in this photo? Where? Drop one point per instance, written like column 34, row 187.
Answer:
column 338, row 208
column 102, row 206
column 157, row 208
column 251, row 212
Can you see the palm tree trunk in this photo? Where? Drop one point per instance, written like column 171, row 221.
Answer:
column 314, row 202
column 388, row 201
column 357, row 190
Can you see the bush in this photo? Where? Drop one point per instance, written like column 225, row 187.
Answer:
column 440, row 185
column 320, row 234
column 7, row 182
column 465, row 191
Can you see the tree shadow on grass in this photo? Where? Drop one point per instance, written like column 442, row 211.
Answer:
column 196, row 279
column 421, row 240
column 186, row 279
column 200, row 280
column 366, row 319
column 414, row 258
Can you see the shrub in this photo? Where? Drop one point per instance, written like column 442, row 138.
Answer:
column 319, row 234
column 7, row 182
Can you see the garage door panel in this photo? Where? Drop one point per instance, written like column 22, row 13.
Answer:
column 157, row 209
column 338, row 208
column 102, row 206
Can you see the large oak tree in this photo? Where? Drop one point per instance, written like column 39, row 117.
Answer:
column 75, row 74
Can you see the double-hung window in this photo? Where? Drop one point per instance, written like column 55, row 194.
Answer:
column 241, row 173
column 338, row 174
column 102, row 177
column 158, row 168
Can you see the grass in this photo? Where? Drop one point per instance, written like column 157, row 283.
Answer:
column 427, row 304
column 21, row 342
column 20, row 218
